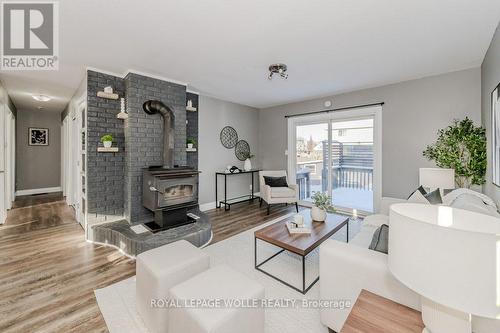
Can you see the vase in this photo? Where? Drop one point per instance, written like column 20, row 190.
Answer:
column 107, row 144
column 318, row 214
column 248, row 165
column 190, row 145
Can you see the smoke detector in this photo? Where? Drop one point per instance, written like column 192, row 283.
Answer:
column 279, row 69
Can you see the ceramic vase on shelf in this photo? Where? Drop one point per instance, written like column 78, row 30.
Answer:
column 318, row 214
column 107, row 144
column 248, row 165
column 190, row 145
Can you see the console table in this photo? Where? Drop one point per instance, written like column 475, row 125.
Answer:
column 232, row 201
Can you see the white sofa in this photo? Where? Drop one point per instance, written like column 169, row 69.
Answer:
column 346, row 268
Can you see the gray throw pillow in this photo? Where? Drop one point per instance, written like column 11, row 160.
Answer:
column 434, row 197
column 420, row 189
column 380, row 239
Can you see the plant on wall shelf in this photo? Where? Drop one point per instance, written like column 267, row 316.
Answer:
column 107, row 140
column 190, row 142
column 461, row 146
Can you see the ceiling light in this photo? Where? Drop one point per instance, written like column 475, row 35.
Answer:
column 279, row 69
column 41, row 98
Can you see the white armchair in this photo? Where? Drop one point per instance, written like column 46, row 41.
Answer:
column 277, row 195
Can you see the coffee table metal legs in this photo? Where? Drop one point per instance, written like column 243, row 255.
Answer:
column 304, row 290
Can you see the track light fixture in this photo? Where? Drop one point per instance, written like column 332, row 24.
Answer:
column 279, row 69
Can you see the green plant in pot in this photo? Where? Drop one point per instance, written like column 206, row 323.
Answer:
column 107, row 140
column 461, row 146
column 190, row 142
column 322, row 204
column 248, row 164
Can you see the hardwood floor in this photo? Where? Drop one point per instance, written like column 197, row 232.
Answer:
column 48, row 272
column 30, row 200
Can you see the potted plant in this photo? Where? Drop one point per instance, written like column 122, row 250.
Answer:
column 248, row 164
column 322, row 204
column 190, row 143
column 461, row 146
column 107, row 140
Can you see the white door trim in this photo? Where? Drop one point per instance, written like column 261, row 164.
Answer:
column 9, row 157
column 3, row 210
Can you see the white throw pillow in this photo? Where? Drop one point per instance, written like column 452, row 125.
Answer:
column 418, row 197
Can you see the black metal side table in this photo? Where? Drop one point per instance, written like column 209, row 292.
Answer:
column 232, row 201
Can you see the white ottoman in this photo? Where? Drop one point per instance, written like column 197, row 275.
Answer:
column 160, row 269
column 218, row 283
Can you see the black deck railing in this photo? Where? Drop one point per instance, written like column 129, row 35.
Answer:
column 352, row 165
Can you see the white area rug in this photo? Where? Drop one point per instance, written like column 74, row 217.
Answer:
column 117, row 301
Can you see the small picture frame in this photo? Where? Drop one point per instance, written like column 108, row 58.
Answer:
column 38, row 136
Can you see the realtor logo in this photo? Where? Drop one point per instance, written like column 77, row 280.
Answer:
column 30, row 36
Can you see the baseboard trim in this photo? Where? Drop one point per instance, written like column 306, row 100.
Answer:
column 207, row 206
column 211, row 205
column 38, row 191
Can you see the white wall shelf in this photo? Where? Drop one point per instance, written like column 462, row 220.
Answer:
column 107, row 150
column 103, row 94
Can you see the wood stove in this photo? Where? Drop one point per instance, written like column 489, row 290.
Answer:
column 169, row 191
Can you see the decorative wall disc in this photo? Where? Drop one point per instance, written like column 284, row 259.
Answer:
column 228, row 137
column 242, row 150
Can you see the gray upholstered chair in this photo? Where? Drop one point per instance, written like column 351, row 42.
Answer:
column 277, row 195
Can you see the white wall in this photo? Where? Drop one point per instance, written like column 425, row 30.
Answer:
column 214, row 114
column 490, row 78
column 412, row 114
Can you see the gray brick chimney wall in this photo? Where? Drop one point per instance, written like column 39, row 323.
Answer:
column 144, row 136
column 115, row 179
column 105, row 171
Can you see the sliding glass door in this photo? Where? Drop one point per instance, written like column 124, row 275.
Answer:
column 352, row 164
column 337, row 153
column 311, row 143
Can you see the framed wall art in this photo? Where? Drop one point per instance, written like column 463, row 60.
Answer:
column 38, row 136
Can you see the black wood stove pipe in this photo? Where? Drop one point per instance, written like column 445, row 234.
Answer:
column 153, row 107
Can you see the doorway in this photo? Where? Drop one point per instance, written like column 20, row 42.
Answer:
column 74, row 133
column 339, row 153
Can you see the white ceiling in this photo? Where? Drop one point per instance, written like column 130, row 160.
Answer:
column 222, row 48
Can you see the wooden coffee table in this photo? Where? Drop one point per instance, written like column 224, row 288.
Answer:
column 301, row 244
